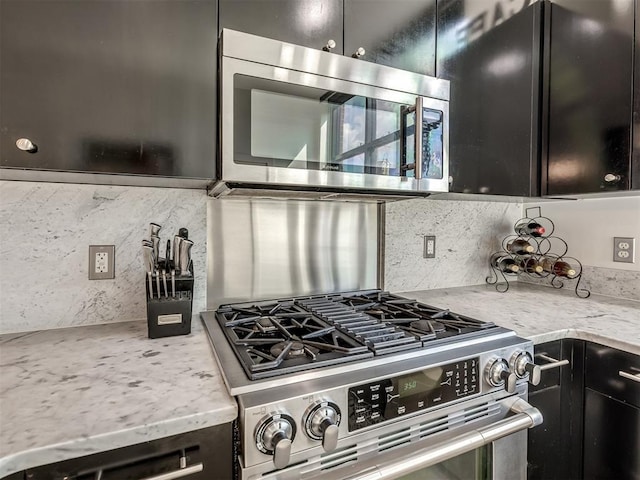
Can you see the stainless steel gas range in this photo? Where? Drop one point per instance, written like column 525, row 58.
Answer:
column 367, row 384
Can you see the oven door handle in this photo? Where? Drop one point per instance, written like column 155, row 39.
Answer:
column 526, row 416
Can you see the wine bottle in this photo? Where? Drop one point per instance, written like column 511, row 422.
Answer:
column 506, row 264
column 520, row 247
column 531, row 265
column 530, row 228
column 558, row 267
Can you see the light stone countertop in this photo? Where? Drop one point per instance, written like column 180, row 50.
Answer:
column 72, row 392
column 543, row 314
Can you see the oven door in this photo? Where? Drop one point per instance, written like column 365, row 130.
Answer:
column 289, row 128
column 495, row 452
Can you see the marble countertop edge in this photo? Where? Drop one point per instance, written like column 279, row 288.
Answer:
column 90, row 445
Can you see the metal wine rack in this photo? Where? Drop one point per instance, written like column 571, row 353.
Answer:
column 547, row 248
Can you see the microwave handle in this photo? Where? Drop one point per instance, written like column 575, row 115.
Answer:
column 418, row 138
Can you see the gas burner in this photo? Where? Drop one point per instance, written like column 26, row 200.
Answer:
column 427, row 326
column 264, row 325
column 293, row 349
column 279, row 337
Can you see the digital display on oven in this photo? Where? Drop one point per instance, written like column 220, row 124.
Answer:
column 394, row 397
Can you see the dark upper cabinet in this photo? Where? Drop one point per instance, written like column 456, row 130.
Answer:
column 492, row 58
column 109, row 86
column 397, row 33
column 635, row 158
column 310, row 23
column 590, row 96
column 541, row 95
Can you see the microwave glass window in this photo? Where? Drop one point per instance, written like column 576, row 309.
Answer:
column 285, row 125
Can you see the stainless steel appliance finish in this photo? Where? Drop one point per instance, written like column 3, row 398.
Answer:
column 260, row 249
column 386, row 415
column 280, row 81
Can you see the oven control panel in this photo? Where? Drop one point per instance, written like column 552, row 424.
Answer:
column 372, row 403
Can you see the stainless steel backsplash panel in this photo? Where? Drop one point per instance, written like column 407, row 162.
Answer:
column 261, row 248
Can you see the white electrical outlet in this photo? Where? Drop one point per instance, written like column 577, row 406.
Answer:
column 101, row 262
column 429, row 246
column 624, row 249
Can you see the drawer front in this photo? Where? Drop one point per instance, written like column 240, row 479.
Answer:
column 603, row 365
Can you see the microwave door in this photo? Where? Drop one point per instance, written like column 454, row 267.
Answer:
column 312, row 131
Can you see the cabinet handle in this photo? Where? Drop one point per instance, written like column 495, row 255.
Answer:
column 331, row 44
column 611, row 178
column 630, row 376
column 553, row 363
column 180, row 473
column 359, row 53
column 26, row 145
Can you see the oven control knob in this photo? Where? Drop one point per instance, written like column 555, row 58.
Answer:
column 498, row 374
column 321, row 423
column 274, row 436
column 522, row 364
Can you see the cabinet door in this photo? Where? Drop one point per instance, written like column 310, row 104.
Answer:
column 554, row 450
column 635, row 158
column 590, row 96
column 611, row 438
column 612, row 414
column 310, row 23
column 397, row 33
column 112, row 86
column 211, row 447
column 493, row 66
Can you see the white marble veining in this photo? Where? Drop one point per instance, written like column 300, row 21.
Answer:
column 466, row 234
column 46, row 230
column 76, row 391
column 544, row 314
column 604, row 281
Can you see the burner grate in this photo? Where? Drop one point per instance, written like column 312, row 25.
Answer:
column 285, row 336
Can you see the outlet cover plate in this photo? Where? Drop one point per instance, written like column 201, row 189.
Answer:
column 429, row 246
column 624, row 249
column 110, row 262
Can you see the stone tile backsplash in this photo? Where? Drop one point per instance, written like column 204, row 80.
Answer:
column 45, row 233
column 466, row 234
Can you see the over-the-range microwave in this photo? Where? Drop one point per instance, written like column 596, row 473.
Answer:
column 298, row 119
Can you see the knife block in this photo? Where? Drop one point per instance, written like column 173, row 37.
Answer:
column 169, row 316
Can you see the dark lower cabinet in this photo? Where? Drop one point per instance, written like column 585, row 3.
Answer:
column 611, row 438
column 554, row 450
column 109, row 86
column 591, row 412
column 611, row 414
column 211, row 447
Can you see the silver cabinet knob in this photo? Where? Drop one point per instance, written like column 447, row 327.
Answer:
column 331, row 44
column 611, row 178
column 26, row 145
column 359, row 53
